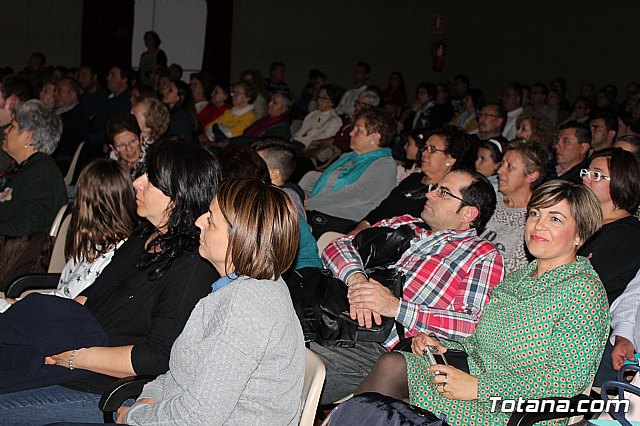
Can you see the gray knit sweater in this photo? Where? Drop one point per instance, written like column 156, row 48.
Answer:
column 239, row 361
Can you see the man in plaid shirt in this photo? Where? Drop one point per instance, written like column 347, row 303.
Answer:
column 449, row 271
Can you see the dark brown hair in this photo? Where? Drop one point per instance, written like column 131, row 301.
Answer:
column 624, row 172
column 263, row 227
column 103, row 212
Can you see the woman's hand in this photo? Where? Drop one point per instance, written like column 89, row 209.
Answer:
column 453, row 383
column 122, row 411
column 61, row 359
column 421, row 341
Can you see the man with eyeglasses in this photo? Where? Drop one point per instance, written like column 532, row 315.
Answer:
column 491, row 120
column 449, row 271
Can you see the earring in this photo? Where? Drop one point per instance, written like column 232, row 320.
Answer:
column 447, row 164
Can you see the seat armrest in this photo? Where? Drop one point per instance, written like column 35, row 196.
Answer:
column 529, row 419
column 30, row 282
column 118, row 392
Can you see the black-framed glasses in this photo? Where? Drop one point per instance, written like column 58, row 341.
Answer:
column 443, row 192
column 593, row 175
column 432, row 149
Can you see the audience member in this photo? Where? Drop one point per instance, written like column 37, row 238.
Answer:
column 555, row 112
column 75, row 125
column 580, row 112
column 572, row 152
column 491, row 121
column 534, row 126
column 629, row 143
column 460, row 88
column 322, row 123
column 94, row 97
column 449, row 271
column 201, row 88
column 521, row 172
column 488, row 160
column 275, row 123
column 182, row 119
column 123, row 137
column 417, row 117
column 151, row 57
column 141, row 92
column 175, row 72
column 512, row 103
column 555, row 303
column 255, row 80
column 359, row 180
column 32, row 191
column 153, row 119
column 604, row 129
column 47, row 92
column 214, row 109
column 395, row 95
column 614, row 177
column 470, row 104
column 360, row 76
column 275, row 82
column 233, row 122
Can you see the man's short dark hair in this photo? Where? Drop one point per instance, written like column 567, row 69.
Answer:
column 366, row 66
column 429, row 87
column 275, row 65
column 481, row 195
column 517, row 89
column 463, row 78
column 610, row 120
column 18, row 86
column 279, row 157
column 583, row 132
column 75, row 86
column 126, row 72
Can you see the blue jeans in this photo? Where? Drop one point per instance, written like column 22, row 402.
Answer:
column 49, row 405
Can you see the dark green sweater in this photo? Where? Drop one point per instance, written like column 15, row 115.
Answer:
column 31, row 197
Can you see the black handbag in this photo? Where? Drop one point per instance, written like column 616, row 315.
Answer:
column 321, row 302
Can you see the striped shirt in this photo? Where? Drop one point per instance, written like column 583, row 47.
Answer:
column 448, row 277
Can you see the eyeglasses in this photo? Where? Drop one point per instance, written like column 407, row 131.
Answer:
column 593, row 175
column 444, row 192
column 486, row 114
column 432, row 149
column 131, row 144
column 324, row 98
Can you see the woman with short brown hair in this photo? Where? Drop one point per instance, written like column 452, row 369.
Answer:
column 240, row 357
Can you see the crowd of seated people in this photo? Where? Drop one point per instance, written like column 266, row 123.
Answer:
column 460, row 166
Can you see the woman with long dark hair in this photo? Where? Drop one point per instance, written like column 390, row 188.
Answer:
column 144, row 297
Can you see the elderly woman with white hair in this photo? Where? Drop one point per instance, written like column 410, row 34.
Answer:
column 32, row 190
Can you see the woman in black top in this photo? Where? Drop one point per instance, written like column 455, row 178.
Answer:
column 440, row 154
column 614, row 176
column 146, row 294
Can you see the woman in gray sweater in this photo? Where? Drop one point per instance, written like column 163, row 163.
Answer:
column 240, row 357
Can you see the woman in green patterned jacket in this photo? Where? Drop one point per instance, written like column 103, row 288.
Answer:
column 541, row 335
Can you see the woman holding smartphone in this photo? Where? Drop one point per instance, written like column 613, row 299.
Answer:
column 541, row 335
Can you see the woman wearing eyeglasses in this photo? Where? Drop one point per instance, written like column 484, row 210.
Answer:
column 614, row 176
column 442, row 152
column 123, row 137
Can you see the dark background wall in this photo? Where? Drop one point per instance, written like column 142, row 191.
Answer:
column 494, row 42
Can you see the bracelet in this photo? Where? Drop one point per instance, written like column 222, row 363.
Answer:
column 72, row 355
